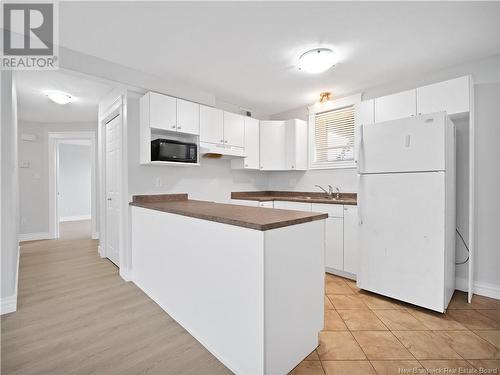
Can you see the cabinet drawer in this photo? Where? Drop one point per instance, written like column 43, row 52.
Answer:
column 243, row 202
column 333, row 210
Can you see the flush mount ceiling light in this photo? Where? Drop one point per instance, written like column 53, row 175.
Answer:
column 59, row 97
column 317, row 60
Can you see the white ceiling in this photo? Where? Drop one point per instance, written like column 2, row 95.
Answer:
column 34, row 105
column 245, row 52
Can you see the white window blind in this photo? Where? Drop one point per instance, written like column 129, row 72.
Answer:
column 334, row 138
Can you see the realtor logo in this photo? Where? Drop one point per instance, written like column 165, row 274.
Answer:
column 29, row 32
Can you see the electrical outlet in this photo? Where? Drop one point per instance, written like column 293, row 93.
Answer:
column 158, row 182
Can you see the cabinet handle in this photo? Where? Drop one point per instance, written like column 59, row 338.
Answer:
column 261, row 167
column 179, row 127
column 173, row 126
column 293, row 167
column 225, row 141
column 246, row 165
column 221, row 141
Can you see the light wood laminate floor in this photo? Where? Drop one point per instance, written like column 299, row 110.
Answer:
column 77, row 316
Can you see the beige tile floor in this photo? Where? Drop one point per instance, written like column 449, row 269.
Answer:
column 365, row 333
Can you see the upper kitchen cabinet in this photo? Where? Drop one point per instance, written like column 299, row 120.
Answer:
column 396, row 106
column 296, row 145
column 364, row 112
column 159, row 111
column 251, row 146
column 211, row 125
column 283, row 145
column 272, row 145
column 188, row 117
column 234, row 129
column 452, row 96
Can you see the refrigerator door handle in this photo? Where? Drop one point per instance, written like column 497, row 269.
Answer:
column 360, row 150
column 360, row 206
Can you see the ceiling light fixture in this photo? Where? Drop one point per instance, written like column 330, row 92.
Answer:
column 59, row 97
column 317, row 60
column 325, row 96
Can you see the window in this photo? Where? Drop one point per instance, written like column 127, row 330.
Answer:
column 333, row 138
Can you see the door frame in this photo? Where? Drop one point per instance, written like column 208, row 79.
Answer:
column 54, row 139
column 114, row 107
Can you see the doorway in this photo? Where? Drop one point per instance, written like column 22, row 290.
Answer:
column 72, row 176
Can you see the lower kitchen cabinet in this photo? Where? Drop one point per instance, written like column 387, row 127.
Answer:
column 334, row 243
column 351, row 239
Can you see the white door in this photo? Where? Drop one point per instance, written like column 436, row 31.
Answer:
column 351, row 245
column 395, row 106
column 113, row 189
column 234, row 129
column 402, row 236
column 188, row 117
column 211, row 125
column 406, row 145
column 272, row 145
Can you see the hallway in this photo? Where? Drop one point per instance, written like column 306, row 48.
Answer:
column 77, row 316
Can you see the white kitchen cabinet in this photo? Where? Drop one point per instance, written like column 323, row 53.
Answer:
column 211, row 125
column 298, row 206
column 283, row 145
column 364, row 112
column 160, row 111
column 296, row 145
column 234, row 129
column 188, row 117
column 251, row 146
column 334, row 243
column 400, row 105
column 351, row 239
column 452, row 96
column 272, row 145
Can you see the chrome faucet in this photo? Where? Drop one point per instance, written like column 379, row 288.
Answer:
column 330, row 191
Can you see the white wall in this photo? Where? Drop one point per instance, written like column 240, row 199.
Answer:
column 33, row 181
column 74, row 183
column 9, row 193
column 486, row 75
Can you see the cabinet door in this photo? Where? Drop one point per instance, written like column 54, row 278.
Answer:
column 351, row 239
column 451, row 96
column 272, row 145
column 211, row 125
column 188, row 117
column 364, row 112
column 296, row 145
column 162, row 111
column 251, row 143
column 234, row 129
column 297, row 206
column 392, row 107
column 334, row 243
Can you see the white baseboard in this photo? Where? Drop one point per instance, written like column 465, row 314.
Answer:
column 126, row 274
column 95, row 235
column 8, row 304
column 479, row 288
column 340, row 273
column 34, row 236
column 74, row 218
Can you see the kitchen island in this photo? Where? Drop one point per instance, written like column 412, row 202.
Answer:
column 246, row 282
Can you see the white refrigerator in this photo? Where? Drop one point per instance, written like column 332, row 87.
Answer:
column 406, row 208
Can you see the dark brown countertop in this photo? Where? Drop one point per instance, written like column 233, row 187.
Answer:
column 249, row 217
column 295, row 196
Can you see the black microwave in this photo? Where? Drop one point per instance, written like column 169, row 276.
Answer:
column 170, row 150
